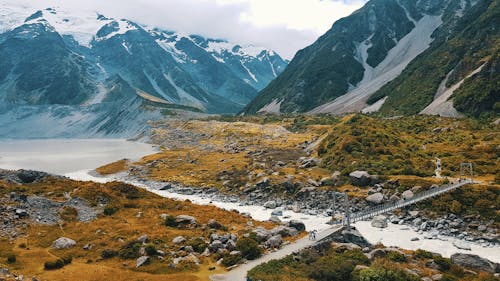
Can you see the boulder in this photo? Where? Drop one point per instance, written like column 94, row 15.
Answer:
column 261, row 233
column 270, row 204
column 277, row 213
column 360, row 178
column 474, row 262
column 178, row 239
column 284, row 231
column 274, row 241
column 300, row 226
column 379, row 222
column 185, row 219
column 215, row 245
column 408, row 194
column 363, row 178
column 63, row 243
column 462, row 245
column 142, row 239
column 214, row 224
column 142, row 261
column 375, row 198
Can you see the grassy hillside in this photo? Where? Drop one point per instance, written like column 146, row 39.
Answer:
column 128, row 212
column 341, row 263
column 409, row 145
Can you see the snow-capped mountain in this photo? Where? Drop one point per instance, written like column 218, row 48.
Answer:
column 397, row 57
column 111, row 72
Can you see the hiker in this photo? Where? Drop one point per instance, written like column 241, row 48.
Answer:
column 314, row 234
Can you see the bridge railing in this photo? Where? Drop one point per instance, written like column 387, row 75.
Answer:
column 377, row 210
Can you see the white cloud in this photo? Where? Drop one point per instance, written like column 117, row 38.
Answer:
column 283, row 25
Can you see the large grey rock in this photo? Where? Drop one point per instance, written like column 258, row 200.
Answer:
column 462, row 245
column 142, row 261
column 379, row 222
column 284, row 231
column 408, row 194
column 360, row 178
column 363, row 178
column 270, row 204
column 300, row 226
column 185, row 219
column 475, row 262
column 375, row 198
column 178, row 239
column 274, row 241
column 142, row 239
column 215, row 245
column 63, row 243
column 261, row 233
column 214, row 224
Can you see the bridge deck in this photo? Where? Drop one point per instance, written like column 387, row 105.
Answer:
column 385, row 208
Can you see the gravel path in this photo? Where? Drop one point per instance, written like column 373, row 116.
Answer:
column 240, row 273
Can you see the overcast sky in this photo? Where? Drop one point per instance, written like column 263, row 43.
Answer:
column 282, row 25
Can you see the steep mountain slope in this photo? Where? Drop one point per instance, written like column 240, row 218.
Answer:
column 54, row 61
column 367, row 60
column 464, row 60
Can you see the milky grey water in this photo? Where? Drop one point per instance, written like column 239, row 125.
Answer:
column 64, row 156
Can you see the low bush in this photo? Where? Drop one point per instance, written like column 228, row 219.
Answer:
column 396, row 256
column 57, row 264
column 382, row 274
column 130, row 251
column 198, row 245
column 249, row 248
column 108, row 254
column 110, row 210
column 51, row 265
column 423, row 254
column 151, row 250
column 171, row 221
column 230, row 260
column 11, row 258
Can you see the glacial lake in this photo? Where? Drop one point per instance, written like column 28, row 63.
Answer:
column 67, row 156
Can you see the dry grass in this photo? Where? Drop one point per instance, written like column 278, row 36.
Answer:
column 113, row 168
column 112, row 232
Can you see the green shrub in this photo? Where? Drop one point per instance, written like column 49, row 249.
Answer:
column 151, row 250
column 130, row 250
column 198, row 245
column 230, row 260
column 11, row 258
column 50, row 265
column 108, row 254
column 382, row 274
column 443, row 263
column 423, row 254
column 59, row 263
column 110, row 210
column 170, row 221
column 249, row 248
column 396, row 256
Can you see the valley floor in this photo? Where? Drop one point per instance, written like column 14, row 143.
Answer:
column 275, row 169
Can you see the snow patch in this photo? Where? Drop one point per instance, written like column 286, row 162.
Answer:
column 124, row 26
column 249, row 72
